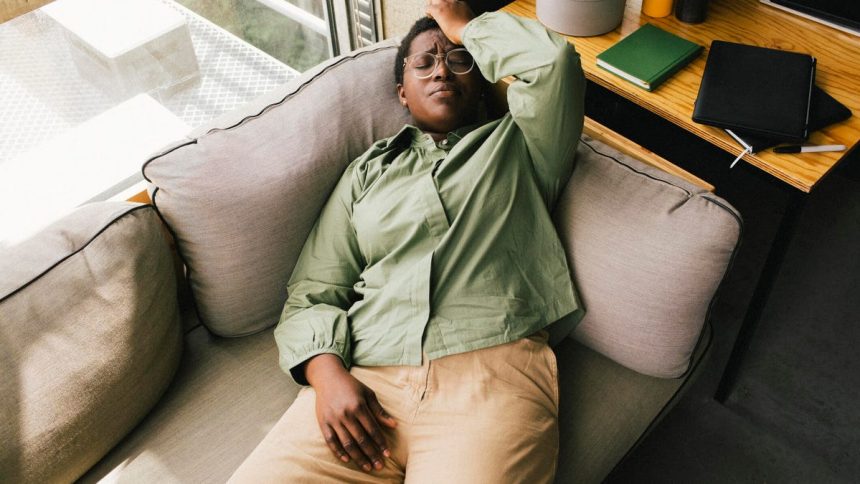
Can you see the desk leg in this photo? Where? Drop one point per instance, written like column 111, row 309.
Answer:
column 770, row 271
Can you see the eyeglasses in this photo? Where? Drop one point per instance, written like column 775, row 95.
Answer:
column 424, row 64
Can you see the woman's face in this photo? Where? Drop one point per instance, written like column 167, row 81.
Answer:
column 444, row 101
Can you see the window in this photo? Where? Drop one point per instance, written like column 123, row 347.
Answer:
column 295, row 33
column 91, row 88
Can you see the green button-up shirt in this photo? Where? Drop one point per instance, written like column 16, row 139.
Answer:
column 447, row 247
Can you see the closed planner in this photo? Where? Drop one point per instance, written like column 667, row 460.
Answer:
column 759, row 91
column 648, row 56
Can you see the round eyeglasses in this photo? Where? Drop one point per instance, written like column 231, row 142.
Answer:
column 424, row 64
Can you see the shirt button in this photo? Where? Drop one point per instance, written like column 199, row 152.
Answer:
column 444, row 142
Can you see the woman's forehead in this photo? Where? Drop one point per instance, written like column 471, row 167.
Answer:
column 430, row 40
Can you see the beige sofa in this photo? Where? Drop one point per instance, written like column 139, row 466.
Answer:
column 93, row 385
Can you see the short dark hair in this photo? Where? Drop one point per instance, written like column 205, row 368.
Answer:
column 422, row 25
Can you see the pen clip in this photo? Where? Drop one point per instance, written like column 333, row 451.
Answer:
column 736, row 160
column 747, row 148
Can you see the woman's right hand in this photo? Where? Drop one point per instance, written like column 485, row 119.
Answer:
column 452, row 17
column 348, row 413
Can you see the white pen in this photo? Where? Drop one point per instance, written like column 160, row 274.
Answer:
column 747, row 148
column 808, row 148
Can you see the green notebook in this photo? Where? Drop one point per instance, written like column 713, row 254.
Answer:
column 648, row 56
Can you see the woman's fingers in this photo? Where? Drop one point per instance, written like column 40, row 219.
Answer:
column 446, row 6
column 371, row 426
column 349, row 416
column 333, row 442
column 352, row 446
column 365, row 445
column 358, row 438
column 452, row 17
column 380, row 413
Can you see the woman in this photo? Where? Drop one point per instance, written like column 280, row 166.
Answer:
column 417, row 308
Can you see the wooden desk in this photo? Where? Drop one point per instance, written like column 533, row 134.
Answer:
column 749, row 22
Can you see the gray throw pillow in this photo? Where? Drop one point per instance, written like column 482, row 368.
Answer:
column 241, row 197
column 89, row 338
column 647, row 251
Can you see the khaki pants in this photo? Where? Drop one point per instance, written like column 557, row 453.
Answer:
column 485, row 416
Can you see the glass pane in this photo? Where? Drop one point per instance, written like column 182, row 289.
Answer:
column 92, row 88
column 315, row 7
column 283, row 38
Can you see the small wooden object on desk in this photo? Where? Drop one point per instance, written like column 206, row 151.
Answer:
column 657, row 8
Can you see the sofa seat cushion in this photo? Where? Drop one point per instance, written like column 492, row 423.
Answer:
column 226, row 396
column 606, row 409
column 89, row 338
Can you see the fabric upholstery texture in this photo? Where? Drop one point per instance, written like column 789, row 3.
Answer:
column 647, row 251
column 89, row 338
column 241, row 200
column 226, row 396
column 606, row 409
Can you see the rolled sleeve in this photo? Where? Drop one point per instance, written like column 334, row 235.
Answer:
column 321, row 289
column 546, row 99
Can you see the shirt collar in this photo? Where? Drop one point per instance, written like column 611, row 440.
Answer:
column 408, row 134
column 460, row 133
column 415, row 137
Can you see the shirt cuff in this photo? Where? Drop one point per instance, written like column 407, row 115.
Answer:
column 295, row 366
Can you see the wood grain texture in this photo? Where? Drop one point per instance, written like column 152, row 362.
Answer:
column 141, row 197
column 10, row 9
column 601, row 133
column 749, row 22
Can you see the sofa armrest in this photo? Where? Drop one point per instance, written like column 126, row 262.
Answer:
column 89, row 338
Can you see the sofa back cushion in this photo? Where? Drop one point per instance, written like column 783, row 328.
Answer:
column 647, row 251
column 89, row 338
column 241, row 197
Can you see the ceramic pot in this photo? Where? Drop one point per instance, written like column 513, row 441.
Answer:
column 581, row 18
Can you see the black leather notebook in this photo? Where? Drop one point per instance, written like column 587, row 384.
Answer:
column 760, row 91
column 824, row 110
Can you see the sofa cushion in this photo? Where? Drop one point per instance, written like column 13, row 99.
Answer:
column 241, row 198
column 226, row 396
column 606, row 409
column 647, row 251
column 89, row 338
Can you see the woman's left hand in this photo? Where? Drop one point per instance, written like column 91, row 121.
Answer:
column 452, row 17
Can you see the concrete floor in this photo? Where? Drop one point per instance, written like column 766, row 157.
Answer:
column 794, row 413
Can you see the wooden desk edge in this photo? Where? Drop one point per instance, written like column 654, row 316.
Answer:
column 601, row 133
column 724, row 144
